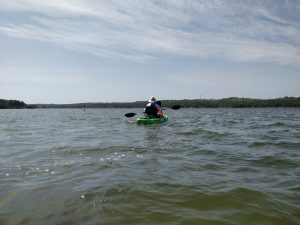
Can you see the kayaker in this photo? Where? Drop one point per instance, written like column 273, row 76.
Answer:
column 153, row 108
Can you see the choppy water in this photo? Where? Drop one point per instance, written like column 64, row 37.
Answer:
column 204, row 166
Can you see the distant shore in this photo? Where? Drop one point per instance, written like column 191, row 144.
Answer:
column 14, row 104
column 233, row 102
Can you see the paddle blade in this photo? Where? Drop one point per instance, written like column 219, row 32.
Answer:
column 175, row 107
column 130, row 114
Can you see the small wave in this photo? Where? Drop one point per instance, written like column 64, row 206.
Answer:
column 273, row 141
column 270, row 125
column 205, row 133
column 278, row 124
column 68, row 150
column 275, row 162
column 256, row 144
column 290, row 144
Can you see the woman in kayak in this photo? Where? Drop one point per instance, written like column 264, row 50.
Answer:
column 153, row 108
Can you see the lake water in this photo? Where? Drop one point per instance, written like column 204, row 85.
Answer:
column 204, row 166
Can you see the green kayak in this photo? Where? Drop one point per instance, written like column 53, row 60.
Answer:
column 147, row 120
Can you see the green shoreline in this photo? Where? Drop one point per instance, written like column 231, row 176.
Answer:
column 233, row 102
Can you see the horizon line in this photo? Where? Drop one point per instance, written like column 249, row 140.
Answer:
column 135, row 101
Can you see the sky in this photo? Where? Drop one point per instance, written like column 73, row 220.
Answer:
column 72, row 51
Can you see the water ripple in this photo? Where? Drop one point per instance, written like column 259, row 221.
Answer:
column 205, row 166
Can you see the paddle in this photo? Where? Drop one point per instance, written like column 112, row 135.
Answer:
column 175, row 107
column 130, row 115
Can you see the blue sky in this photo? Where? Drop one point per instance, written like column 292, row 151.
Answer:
column 69, row 51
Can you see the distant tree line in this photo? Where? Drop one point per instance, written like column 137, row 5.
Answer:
column 13, row 104
column 235, row 102
column 93, row 105
column 232, row 102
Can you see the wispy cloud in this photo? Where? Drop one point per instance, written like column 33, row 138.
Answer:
column 142, row 30
column 37, row 76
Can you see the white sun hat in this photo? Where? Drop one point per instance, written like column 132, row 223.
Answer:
column 151, row 99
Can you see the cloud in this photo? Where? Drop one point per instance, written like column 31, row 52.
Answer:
column 243, row 31
column 37, row 76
